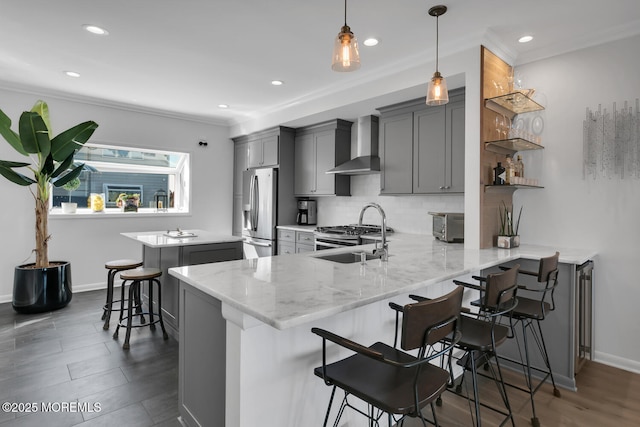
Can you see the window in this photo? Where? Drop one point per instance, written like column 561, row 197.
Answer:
column 114, row 171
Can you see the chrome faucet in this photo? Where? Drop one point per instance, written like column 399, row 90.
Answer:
column 383, row 252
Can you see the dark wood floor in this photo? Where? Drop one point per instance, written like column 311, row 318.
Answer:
column 65, row 356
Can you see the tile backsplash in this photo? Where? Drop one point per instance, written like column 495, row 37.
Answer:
column 404, row 213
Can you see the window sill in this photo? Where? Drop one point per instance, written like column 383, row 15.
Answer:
column 56, row 213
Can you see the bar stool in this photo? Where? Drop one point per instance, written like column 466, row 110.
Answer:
column 136, row 277
column 529, row 313
column 114, row 267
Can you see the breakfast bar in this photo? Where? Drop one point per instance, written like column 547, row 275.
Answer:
column 245, row 340
column 173, row 248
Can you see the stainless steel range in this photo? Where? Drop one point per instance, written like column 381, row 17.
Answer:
column 346, row 235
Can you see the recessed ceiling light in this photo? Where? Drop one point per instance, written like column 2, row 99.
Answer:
column 72, row 74
column 94, row 29
column 370, row 42
column 223, row 106
column 277, row 82
column 525, row 39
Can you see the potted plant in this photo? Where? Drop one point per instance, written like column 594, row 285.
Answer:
column 508, row 237
column 70, row 207
column 42, row 285
column 128, row 202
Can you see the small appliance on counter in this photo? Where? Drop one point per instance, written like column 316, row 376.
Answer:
column 306, row 212
column 448, row 226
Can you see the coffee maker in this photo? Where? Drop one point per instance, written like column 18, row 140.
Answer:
column 306, row 212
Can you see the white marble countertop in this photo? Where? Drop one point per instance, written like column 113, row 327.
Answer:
column 291, row 290
column 159, row 239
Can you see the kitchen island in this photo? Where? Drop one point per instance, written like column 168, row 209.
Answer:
column 173, row 248
column 246, row 351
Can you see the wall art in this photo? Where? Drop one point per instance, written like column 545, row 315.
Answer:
column 611, row 142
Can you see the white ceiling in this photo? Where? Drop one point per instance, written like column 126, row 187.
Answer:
column 185, row 57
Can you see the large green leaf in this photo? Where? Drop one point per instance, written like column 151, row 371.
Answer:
column 10, row 136
column 68, row 176
column 13, row 176
column 42, row 109
column 68, row 162
column 34, row 134
column 66, row 143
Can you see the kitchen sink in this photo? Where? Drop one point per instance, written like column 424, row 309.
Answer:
column 346, row 258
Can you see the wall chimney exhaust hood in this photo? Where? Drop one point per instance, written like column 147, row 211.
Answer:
column 366, row 160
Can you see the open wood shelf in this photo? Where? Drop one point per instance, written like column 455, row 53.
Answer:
column 508, row 187
column 511, row 104
column 511, row 146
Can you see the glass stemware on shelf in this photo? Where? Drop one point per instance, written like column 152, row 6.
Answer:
column 505, row 128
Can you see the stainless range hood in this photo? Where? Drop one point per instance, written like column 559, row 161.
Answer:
column 366, row 160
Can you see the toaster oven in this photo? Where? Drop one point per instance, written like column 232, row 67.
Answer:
column 448, row 226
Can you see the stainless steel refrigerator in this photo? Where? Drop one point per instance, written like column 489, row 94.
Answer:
column 259, row 199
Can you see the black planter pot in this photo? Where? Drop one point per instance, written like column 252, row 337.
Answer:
column 36, row 290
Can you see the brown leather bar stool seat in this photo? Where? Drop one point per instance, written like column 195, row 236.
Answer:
column 136, row 277
column 114, row 267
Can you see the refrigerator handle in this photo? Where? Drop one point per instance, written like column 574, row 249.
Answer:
column 255, row 203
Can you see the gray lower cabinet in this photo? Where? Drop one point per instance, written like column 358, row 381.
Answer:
column 202, row 344
column 422, row 148
column 295, row 242
column 319, row 148
column 177, row 256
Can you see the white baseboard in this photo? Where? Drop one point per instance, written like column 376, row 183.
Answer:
column 617, row 362
column 76, row 288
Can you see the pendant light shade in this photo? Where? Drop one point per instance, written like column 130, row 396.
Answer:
column 437, row 93
column 345, row 50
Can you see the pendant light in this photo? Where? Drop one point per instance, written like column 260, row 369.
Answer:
column 437, row 93
column 345, row 50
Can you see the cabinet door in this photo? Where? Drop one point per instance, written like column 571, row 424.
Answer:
column 396, row 152
column 325, row 159
column 255, row 153
column 305, row 166
column 270, row 151
column 240, row 162
column 455, row 147
column 429, row 150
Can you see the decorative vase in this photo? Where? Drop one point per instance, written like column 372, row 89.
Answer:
column 508, row 242
column 69, row 207
column 37, row 290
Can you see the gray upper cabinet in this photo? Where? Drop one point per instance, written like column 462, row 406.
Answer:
column 396, row 153
column 319, row 148
column 422, row 148
column 263, row 151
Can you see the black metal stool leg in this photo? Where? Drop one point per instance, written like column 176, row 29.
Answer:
column 132, row 290
column 556, row 392
column 534, row 419
column 151, row 322
column 121, row 315
column 109, row 301
column 106, row 313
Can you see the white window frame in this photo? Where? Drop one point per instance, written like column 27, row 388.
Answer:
column 179, row 180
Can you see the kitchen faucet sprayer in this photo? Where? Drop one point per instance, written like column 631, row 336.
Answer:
column 383, row 252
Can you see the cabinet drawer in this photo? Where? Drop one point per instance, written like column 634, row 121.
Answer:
column 300, row 248
column 286, row 248
column 286, row 235
column 305, row 238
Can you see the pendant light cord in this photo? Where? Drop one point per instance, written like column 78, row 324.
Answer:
column 437, row 39
column 345, row 13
